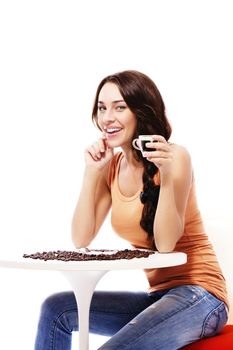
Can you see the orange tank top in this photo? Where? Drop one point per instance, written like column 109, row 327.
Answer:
column 202, row 267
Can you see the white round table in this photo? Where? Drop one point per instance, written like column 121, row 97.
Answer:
column 84, row 275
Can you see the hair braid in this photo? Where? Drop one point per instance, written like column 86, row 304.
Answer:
column 149, row 197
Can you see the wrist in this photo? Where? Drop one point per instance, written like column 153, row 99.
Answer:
column 92, row 173
column 166, row 180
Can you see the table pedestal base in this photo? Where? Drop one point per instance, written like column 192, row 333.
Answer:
column 83, row 284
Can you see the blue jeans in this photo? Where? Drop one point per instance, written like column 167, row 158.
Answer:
column 163, row 320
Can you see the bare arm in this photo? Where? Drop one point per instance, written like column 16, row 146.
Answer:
column 94, row 200
column 176, row 176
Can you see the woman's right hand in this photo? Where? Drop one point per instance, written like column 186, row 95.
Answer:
column 98, row 154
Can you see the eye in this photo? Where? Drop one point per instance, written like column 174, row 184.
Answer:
column 101, row 108
column 120, row 108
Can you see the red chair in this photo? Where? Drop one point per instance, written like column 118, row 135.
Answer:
column 222, row 341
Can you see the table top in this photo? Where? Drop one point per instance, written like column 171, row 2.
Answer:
column 155, row 260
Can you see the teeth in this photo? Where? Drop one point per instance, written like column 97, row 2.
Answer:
column 112, row 130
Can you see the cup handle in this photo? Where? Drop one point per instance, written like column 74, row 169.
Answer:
column 135, row 145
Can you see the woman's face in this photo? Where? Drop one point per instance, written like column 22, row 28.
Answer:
column 115, row 118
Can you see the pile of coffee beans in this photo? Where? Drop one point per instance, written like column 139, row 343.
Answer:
column 90, row 255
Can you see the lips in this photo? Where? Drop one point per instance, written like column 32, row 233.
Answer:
column 113, row 131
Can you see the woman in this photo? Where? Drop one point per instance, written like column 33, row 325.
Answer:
column 152, row 199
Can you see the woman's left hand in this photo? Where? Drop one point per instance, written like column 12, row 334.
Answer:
column 161, row 153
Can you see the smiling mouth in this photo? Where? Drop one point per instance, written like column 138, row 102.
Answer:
column 113, row 131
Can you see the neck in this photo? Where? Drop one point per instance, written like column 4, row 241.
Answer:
column 131, row 161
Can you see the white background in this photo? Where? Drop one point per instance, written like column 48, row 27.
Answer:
column 52, row 57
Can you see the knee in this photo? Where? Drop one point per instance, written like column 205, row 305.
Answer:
column 56, row 307
column 51, row 306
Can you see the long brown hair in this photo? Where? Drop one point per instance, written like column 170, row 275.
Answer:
column 144, row 100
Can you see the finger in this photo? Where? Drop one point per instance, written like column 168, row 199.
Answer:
column 158, row 146
column 155, row 155
column 158, row 154
column 94, row 151
column 104, row 135
column 159, row 138
column 102, row 145
column 105, row 142
column 99, row 148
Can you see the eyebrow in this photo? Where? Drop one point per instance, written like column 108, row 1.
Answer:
column 113, row 102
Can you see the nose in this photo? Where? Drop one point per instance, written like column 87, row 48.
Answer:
column 108, row 116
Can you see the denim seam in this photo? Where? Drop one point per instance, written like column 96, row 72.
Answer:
column 174, row 314
column 52, row 334
column 209, row 316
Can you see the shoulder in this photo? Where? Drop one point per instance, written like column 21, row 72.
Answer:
column 180, row 153
column 182, row 163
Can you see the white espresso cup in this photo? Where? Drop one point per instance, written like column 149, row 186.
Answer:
column 140, row 143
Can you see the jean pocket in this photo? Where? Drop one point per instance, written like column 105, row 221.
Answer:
column 215, row 321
